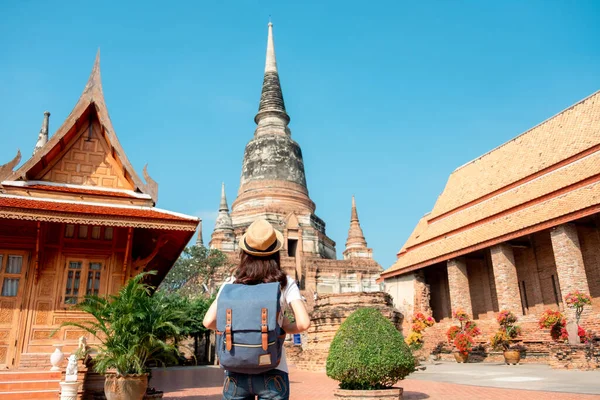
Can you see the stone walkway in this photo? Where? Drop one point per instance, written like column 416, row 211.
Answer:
column 195, row 383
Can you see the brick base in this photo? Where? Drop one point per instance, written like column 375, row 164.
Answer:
column 583, row 356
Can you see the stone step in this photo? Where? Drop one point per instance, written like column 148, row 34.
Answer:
column 11, row 386
column 29, row 395
column 12, row 376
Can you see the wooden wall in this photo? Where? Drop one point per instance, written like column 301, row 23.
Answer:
column 43, row 309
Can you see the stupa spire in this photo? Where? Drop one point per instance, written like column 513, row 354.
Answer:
column 356, row 245
column 223, row 205
column 223, row 221
column 199, row 239
column 272, row 117
column 43, row 136
column 223, row 237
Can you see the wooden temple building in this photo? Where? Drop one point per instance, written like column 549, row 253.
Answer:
column 75, row 219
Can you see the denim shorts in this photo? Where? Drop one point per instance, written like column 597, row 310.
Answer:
column 271, row 385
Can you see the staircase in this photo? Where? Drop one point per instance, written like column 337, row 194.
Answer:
column 25, row 385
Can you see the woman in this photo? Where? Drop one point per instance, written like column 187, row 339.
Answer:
column 260, row 263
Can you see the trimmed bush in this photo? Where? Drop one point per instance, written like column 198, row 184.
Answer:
column 368, row 353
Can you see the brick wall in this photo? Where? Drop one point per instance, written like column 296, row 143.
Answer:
column 479, row 287
column 528, row 276
column 546, row 268
column 589, row 239
column 436, row 277
column 458, row 282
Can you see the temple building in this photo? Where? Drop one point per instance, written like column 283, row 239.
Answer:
column 75, row 219
column 515, row 229
column 273, row 186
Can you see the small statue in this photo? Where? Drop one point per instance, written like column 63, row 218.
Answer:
column 71, row 373
column 82, row 344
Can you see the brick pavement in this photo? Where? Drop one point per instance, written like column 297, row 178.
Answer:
column 204, row 383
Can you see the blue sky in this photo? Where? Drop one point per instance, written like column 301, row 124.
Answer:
column 386, row 98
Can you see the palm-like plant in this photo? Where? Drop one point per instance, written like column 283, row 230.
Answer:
column 132, row 326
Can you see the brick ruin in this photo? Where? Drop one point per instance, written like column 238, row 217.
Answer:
column 518, row 228
column 328, row 314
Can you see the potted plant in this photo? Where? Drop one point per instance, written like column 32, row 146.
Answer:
column 368, row 356
column 462, row 336
column 506, row 335
column 133, row 330
column 420, row 322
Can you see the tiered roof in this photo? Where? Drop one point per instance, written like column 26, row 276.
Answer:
column 546, row 176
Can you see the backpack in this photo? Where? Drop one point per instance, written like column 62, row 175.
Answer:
column 249, row 338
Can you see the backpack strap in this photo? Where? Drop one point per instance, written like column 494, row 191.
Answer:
column 265, row 329
column 228, row 338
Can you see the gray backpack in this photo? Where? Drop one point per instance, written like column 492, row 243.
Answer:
column 249, row 338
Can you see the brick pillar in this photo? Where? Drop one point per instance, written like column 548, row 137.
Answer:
column 458, row 281
column 505, row 278
column 422, row 300
column 569, row 261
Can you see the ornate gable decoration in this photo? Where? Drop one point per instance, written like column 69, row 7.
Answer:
column 85, row 149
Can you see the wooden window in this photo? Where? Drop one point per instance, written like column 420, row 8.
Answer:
column 108, row 233
column 83, row 232
column 10, row 270
column 82, row 277
column 96, row 232
column 93, row 278
column 69, row 230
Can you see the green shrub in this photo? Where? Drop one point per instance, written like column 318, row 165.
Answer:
column 368, row 353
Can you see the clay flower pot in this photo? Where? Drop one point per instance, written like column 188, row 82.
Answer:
column 461, row 357
column 512, row 357
column 128, row 387
column 381, row 394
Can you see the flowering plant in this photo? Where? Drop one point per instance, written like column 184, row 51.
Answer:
column 463, row 343
column 420, row 322
column 508, row 331
column 414, row 339
column 452, row 332
column 462, row 335
column 584, row 336
column 550, row 318
column 460, row 315
column 578, row 300
column 556, row 322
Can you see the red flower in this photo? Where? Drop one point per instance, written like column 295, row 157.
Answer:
column 463, row 342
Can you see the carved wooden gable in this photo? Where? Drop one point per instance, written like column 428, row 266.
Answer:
column 87, row 160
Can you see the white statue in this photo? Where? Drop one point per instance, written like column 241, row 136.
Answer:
column 82, row 344
column 71, row 373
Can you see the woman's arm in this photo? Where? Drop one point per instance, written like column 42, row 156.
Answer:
column 210, row 318
column 300, row 315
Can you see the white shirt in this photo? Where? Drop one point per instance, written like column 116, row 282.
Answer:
column 291, row 293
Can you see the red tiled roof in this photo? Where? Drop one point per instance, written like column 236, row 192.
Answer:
column 77, row 208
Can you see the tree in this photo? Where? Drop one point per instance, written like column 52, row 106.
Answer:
column 197, row 271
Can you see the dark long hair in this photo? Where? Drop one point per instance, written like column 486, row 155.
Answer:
column 253, row 270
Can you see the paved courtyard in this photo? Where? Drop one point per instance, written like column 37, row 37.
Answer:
column 442, row 381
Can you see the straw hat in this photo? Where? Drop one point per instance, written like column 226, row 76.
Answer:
column 261, row 239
